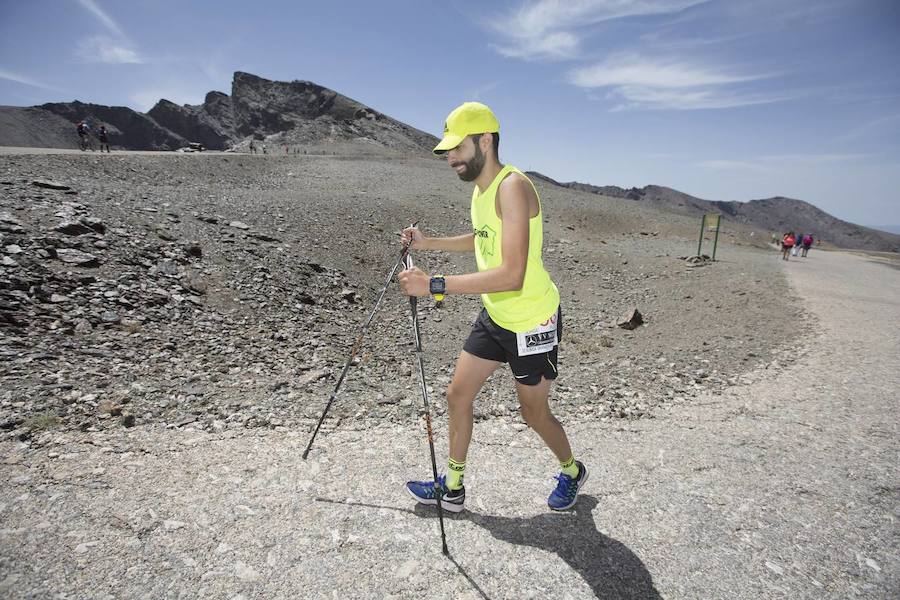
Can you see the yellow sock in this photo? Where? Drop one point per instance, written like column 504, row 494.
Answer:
column 455, row 474
column 570, row 468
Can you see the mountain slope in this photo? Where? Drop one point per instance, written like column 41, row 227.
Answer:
column 295, row 112
column 777, row 214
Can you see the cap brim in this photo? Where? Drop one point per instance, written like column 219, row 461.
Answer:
column 449, row 142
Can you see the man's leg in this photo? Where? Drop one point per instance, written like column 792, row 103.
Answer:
column 470, row 374
column 536, row 412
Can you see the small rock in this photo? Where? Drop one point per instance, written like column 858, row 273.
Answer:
column 58, row 298
column 77, row 257
column 14, row 249
column 109, row 407
column 73, row 228
column 193, row 249
column 238, row 225
column 311, row 377
column 110, row 317
column 245, row 572
column 167, row 268
column 170, row 525
column 631, row 319
column 50, row 185
column 82, row 548
column 94, row 223
column 128, row 420
column 195, row 285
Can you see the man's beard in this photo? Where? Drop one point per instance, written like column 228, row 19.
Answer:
column 474, row 166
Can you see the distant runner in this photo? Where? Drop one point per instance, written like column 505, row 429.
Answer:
column 521, row 322
column 807, row 244
column 84, row 135
column 787, row 242
column 103, row 136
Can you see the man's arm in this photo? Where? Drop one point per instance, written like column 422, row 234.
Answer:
column 514, row 193
column 459, row 243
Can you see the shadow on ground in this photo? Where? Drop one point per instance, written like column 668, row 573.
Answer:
column 608, row 566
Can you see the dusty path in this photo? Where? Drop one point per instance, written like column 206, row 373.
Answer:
column 785, row 488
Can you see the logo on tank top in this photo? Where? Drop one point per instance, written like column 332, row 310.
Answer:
column 485, row 237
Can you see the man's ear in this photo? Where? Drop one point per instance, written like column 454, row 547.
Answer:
column 485, row 143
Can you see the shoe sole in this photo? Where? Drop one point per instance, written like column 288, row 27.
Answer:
column 448, row 506
column 575, row 499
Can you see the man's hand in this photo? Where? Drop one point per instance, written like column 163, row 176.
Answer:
column 412, row 235
column 414, row 282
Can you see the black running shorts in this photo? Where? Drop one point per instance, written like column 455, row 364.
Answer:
column 522, row 351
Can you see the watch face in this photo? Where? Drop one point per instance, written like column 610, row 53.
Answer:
column 436, row 285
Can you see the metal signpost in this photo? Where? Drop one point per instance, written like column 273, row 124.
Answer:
column 710, row 222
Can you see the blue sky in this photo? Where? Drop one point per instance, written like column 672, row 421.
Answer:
column 725, row 100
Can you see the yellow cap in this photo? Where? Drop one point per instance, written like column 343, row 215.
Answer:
column 468, row 118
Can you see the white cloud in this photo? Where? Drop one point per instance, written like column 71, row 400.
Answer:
column 547, row 29
column 103, row 49
column 25, row 80
column 555, row 45
column 632, row 70
column 105, row 20
column 669, row 84
column 115, row 50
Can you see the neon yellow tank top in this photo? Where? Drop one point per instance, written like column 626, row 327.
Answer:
column 519, row 310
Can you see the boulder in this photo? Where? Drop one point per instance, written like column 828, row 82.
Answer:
column 631, row 319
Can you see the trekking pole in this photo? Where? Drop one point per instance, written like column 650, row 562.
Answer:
column 413, row 306
column 356, row 346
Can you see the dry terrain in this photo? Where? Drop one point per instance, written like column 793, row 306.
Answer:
column 156, row 397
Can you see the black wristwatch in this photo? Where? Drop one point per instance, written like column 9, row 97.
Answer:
column 437, row 287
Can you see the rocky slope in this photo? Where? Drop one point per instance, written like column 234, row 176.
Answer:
column 226, row 291
column 777, row 214
column 289, row 113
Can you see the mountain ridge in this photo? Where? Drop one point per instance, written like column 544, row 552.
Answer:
column 778, row 214
column 281, row 112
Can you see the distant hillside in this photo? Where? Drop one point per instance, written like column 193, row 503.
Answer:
column 296, row 112
column 770, row 214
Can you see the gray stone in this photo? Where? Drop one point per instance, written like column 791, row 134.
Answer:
column 110, row 317
column 77, row 257
column 73, row 228
column 631, row 319
column 50, row 185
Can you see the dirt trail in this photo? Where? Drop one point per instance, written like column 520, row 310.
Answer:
column 784, row 488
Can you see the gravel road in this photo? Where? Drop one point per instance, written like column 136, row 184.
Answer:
column 784, row 487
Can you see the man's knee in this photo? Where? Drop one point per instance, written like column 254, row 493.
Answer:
column 458, row 398
column 534, row 412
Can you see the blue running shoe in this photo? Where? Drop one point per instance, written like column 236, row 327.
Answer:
column 423, row 492
column 566, row 492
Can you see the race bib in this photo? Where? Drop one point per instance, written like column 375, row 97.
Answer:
column 539, row 340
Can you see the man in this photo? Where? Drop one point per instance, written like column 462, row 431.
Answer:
column 103, row 136
column 82, row 129
column 521, row 322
